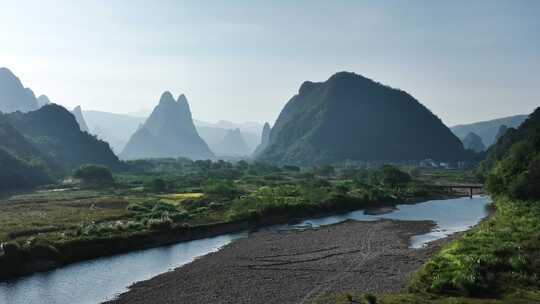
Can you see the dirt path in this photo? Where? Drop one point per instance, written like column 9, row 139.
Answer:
column 294, row 266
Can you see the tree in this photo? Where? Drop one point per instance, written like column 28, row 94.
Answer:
column 94, row 174
column 220, row 188
column 394, row 177
column 156, row 185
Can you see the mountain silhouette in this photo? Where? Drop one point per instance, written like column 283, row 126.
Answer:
column 232, row 144
column 168, row 132
column 350, row 117
column 489, row 129
column 54, row 131
column 13, row 95
column 265, row 140
column 43, row 100
column 473, row 142
column 77, row 112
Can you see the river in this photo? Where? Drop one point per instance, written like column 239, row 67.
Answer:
column 102, row 279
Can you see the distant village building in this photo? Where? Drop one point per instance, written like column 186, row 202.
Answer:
column 428, row 163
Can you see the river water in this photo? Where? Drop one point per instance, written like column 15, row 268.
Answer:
column 102, row 279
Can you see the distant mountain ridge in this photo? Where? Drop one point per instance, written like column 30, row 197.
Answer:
column 13, row 95
column 168, row 132
column 265, row 140
column 488, row 130
column 350, row 117
column 233, row 144
column 117, row 129
column 473, row 142
column 77, row 112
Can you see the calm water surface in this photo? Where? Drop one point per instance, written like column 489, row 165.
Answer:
column 104, row 278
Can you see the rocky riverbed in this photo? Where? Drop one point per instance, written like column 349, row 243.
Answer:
column 295, row 266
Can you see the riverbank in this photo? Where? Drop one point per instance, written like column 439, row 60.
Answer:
column 295, row 266
column 17, row 262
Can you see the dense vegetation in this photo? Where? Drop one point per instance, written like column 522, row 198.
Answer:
column 39, row 146
column 94, row 175
column 516, row 162
column 499, row 259
column 174, row 199
column 54, row 131
column 349, row 117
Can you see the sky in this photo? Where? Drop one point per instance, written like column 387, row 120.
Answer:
column 243, row 60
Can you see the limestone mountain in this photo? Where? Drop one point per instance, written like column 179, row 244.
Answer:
column 168, row 132
column 77, row 112
column 43, row 100
column 23, row 165
column 350, row 117
column 54, row 132
column 265, row 140
column 13, row 95
column 114, row 128
column 233, row 144
column 488, row 130
column 473, row 142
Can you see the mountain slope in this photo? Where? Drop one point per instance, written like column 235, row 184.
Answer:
column 13, row 96
column 114, row 128
column 265, row 140
column 22, row 165
column 512, row 166
column 168, row 132
column 77, row 112
column 350, row 117
column 232, row 144
column 473, row 142
column 488, row 130
column 43, row 100
column 54, row 131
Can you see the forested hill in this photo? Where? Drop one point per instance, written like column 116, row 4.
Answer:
column 22, row 164
column 350, row 117
column 513, row 163
column 56, row 133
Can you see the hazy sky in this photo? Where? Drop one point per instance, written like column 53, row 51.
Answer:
column 243, row 60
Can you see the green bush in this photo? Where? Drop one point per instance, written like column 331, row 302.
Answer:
column 394, row 177
column 94, row 174
column 223, row 189
column 497, row 256
column 156, row 185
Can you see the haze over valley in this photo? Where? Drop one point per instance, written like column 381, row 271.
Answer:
column 269, row 152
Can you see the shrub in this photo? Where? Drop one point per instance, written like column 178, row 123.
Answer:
column 160, row 224
column 11, row 248
column 370, row 298
column 223, row 189
column 156, row 185
column 94, row 174
column 394, row 177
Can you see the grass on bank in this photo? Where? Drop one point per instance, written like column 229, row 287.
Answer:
column 496, row 262
column 523, row 297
